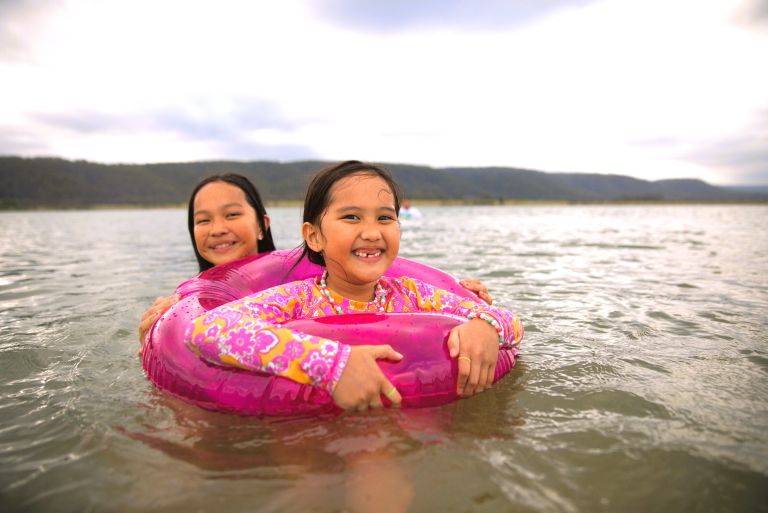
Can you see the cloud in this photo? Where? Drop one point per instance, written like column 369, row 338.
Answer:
column 395, row 15
column 17, row 19
column 244, row 128
column 753, row 12
column 612, row 86
column 83, row 122
column 16, row 140
column 244, row 149
column 203, row 118
column 737, row 157
column 743, row 157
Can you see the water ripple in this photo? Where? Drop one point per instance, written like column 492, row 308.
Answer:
column 641, row 383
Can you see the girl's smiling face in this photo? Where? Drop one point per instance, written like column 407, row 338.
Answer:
column 225, row 224
column 359, row 235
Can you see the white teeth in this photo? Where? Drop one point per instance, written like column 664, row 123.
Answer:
column 222, row 245
column 363, row 254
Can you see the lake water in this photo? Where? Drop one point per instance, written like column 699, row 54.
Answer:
column 642, row 384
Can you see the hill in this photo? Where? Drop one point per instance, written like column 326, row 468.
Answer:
column 59, row 183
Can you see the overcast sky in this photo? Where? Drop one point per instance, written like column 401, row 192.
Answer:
column 649, row 88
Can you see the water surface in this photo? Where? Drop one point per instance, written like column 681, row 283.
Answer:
column 642, row 384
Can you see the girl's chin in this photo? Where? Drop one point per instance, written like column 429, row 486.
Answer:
column 355, row 276
column 369, row 275
column 219, row 258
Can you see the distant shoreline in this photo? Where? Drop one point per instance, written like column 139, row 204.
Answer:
column 45, row 183
column 416, row 202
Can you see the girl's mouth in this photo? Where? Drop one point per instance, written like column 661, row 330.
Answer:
column 222, row 246
column 367, row 253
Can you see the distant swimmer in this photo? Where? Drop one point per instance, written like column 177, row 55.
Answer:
column 409, row 212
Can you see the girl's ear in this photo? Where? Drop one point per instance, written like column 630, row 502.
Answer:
column 312, row 237
column 266, row 227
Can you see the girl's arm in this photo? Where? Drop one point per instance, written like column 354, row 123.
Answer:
column 478, row 287
column 158, row 308
column 475, row 344
column 427, row 298
column 246, row 334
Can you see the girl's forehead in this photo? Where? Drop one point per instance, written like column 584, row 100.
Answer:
column 216, row 192
column 354, row 185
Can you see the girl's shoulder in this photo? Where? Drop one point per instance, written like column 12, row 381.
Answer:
column 304, row 285
column 405, row 284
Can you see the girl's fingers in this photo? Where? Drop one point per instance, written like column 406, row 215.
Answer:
column 491, row 374
column 486, row 376
column 474, row 378
column 362, row 383
column 385, row 351
column 391, row 393
column 465, row 364
column 454, row 342
column 161, row 305
column 482, row 379
column 476, row 286
column 477, row 357
column 374, row 402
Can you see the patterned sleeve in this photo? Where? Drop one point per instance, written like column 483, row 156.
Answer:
column 431, row 299
column 247, row 334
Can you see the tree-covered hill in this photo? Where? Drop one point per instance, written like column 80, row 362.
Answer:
column 58, row 183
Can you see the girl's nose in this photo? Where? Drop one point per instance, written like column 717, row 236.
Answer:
column 218, row 227
column 370, row 233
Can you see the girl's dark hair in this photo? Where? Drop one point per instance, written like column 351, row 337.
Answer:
column 254, row 200
column 319, row 195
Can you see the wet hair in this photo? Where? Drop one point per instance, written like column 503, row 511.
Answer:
column 254, row 200
column 319, row 195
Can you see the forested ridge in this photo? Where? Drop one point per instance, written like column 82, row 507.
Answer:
column 59, row 183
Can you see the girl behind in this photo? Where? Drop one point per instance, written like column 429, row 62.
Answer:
column 227, row 221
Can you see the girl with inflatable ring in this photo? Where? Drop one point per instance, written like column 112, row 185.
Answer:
column 350, row 228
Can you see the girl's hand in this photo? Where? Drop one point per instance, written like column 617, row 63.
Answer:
column 477, row 286
column 476, row 345
column 158, row 308
column 362, row 383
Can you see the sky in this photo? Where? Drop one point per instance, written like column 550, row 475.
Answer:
column 653, row 89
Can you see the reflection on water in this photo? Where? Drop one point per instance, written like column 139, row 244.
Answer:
column 642, row 382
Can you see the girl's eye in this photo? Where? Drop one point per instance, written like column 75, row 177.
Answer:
column 351, row 217
column 233, row 215
column 201, row 221
column 386, row 218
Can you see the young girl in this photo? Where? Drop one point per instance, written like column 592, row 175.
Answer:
column 351, row 228
column 227, row 221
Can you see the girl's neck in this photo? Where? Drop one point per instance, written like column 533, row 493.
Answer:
column 364, row 293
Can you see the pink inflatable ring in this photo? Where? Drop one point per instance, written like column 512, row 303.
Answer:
column 425, row 377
